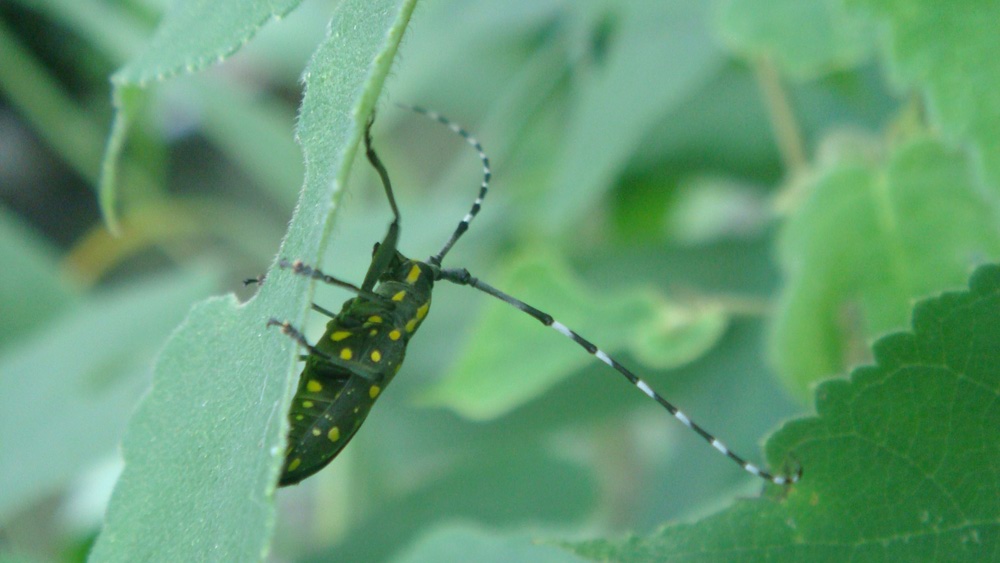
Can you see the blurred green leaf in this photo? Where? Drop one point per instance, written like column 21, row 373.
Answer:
column 707, row 208
column 807, row 37
column 111, row 27
column 192, row 35
column 455, row 542
column 658, row 54
column 867, row 243
column 512, row 361
column 948, row 50
column 19, row 558
column 497, row 486
column 35, row 290
column 720, row 127
column 902, row 462
column 65, row 395
column 256, row 134
column 203, row 452
column 197, row 33
column 31, row 88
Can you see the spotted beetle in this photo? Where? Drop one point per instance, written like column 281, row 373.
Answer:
column 364, row 344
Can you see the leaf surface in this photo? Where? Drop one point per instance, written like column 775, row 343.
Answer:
column 203, row 452
column 33, row 292
column 65, row 394
column 658, row 54
column 808, row 37
column 948, row 51
column 869, row 241
column 901, row 463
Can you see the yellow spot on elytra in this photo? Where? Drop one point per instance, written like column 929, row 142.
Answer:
column 394, row 335
column 399, row 296
column 411, row 326
column 373, row 391
column 346, row 354
column 374, row 319
column 373, row 332
column 376, row 356
column 414, row 274
column 333, row 434
column 299, row 417
column 295, row 464
column 314, row 386
column 422, row 311
column 339, row 335
column 316, row 432
column 307, row 404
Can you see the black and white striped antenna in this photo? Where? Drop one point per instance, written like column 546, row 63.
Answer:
column 463, row 225
column 461, row 276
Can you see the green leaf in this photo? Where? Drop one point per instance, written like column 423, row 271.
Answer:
column 254, row 131
column 867, row 243
column 807, row 37
column 33, row 91
column 902, row 462
column 93, row 363
column 192, row 35
column 658, row 55
column 511, row 362
column 203, row 452
column 500, row 485
column 197, row 33
column 19, row 558
column 111, row 27
column 455, row 542
column 36, row 290
column 948, row 50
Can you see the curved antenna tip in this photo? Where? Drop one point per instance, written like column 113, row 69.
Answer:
column 463, row 225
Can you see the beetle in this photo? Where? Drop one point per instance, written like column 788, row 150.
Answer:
column 364, row 345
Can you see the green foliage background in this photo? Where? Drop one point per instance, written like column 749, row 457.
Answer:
column 736, row 198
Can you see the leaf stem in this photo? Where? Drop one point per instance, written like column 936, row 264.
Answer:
column 786, row 129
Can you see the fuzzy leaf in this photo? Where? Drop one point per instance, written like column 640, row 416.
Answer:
column 203, row 452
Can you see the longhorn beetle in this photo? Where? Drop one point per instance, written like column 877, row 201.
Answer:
column 364, row 344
